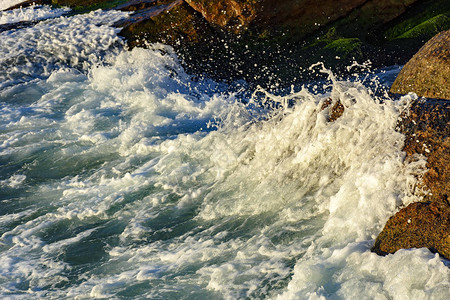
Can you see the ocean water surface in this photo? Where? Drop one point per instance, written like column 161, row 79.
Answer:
column 123, row 177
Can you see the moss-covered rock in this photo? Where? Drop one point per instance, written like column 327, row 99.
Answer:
column 431, row 26
column 88, row 5
column 422, row 21
column 345, row 46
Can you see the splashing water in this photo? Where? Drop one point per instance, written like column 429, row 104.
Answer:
column 32, row 13
column 5, row 4
column 121, row 177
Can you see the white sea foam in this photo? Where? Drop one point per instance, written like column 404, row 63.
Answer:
column 31, row 13
column 355, row 273
column 13, row 181
column 5, row 4
column 128, row 179
column 78, row 41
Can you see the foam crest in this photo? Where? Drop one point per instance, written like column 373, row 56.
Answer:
column 9, row 3
column 31, row 14
column 123, row 177
column 79, row 41
column 358, row 273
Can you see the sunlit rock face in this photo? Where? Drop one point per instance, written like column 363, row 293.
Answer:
column 428, row 72
column 426, row 224
column 420, row 224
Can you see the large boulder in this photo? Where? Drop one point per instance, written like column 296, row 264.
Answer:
column 304, row 16
column 426, row 126
column 268, row 42
column 428, row 72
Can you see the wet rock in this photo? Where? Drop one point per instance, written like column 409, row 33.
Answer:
column 135, row 5
column 81, row 6
column 175, row 23
column 428, row 72
column 234, row 15
column 18, row 25
column 335, row 109
column 426, row 126
column 269, row 42
column 169, row 22
column 421, row 224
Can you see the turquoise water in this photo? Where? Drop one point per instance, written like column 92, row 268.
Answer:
column 121, row 177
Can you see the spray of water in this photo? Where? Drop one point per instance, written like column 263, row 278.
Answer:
column 127, row 179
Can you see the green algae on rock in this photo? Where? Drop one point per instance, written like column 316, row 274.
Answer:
column 88, row 5
column 268, row 42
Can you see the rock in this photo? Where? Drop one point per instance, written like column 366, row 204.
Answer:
column 421, row 224
column 81, row 6
column 335, row 109
column 300, row 17
column 268, row 42
column 428, row 72
column 232, row 15
column 261, row 41
column 135, row 5
column 426, row 126
column 177, row 24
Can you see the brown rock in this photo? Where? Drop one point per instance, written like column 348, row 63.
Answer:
column 424, row 224
column 260, row 41
column 428, row 72
column 304, row 16
column 418, row 225
column 170, row 23
column 300, row 17
column 235, row 15
column 335, row 111
column 426, row 126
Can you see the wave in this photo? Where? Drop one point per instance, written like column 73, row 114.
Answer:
column 125, row 177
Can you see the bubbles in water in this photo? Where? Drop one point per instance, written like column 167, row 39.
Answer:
column 31, row 14
column 123, row 177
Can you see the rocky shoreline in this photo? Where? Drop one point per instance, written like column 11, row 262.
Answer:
column 268, row 42
column 424, row 224
column 426, row 126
